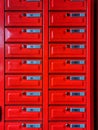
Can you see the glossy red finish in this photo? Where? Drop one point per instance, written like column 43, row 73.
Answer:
column 22, row 81
column 23, row 66
column 66, row 97
column 23, row 97
column 67, row 50
column 23, row 35
column 23, row 50
column 67, row 35
column 67, row 113
column 67, row 19
column 23, row 113
column 23, row 125
column 23, row 5
column 66, row 125
column 67, row 5
column 23, row 18
column 64, row 81
column 67, row 66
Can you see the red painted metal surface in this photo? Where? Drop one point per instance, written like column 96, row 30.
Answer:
column 23, row 50
column 67, row 18
column 23, row 18
column 46, row 65
column 67, row 50
column 23, row 5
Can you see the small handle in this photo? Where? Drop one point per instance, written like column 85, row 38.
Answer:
column 31, row 109
column 32, row 0
column 31, row 62
column 77, row 126
column 31, row 46
column 31, row 125
column 76, row 0
column 77, row 46
column 31, row 77
column 31, row 15
column 77, row 93
column 31, row 30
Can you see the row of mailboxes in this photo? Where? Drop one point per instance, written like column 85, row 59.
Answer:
column 53, row 5
column 55, row 50
column 32, row 18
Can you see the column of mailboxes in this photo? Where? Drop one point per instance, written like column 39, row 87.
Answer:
column 67, row 65
column 23, row 64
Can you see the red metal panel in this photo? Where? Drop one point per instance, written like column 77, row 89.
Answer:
column 23, row 113
column 23, row 81
column 23, row 5
column 23, row 34
column 67, row 125
column 23, row 97
column 23, row 50
column 67, row 5
column 23, row 18
column 67, row 34
column 67, row 50
column 67, row 65
column 67, row 97
column 67, row 19
column 23, row 66
column 67, row 113
column 23, row 126
column 64, row 81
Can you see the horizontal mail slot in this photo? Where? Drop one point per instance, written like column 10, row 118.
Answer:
column 67, row 125
column 23, row 66
column 67, row 81
column 67, row 66
column 67, row 34
column 23, row 34
column 23, row 113
column 23, row 97
column 67, row 5
column 23, row 5
column 23, row 125
column 23, row 50
column 67, row 113
column 23, row 18
column 67, row 50
column 67, row 97
column 67, row 19
column 23, row 81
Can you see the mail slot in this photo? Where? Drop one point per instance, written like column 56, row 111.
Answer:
column 23, row 50
column 23, row 81
column 23, row 126
column 23, row 113
column 23, row 97
column 67, row 113
column 67, row 126
column 23, row 35
column 23, row 18
column 67, row 97
column 67, row 50
column 67, row 81
column 23, row 4
column 67, row 66
column 67, row 19
column 67, row 34
column 23, row 66
column 67, row 5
